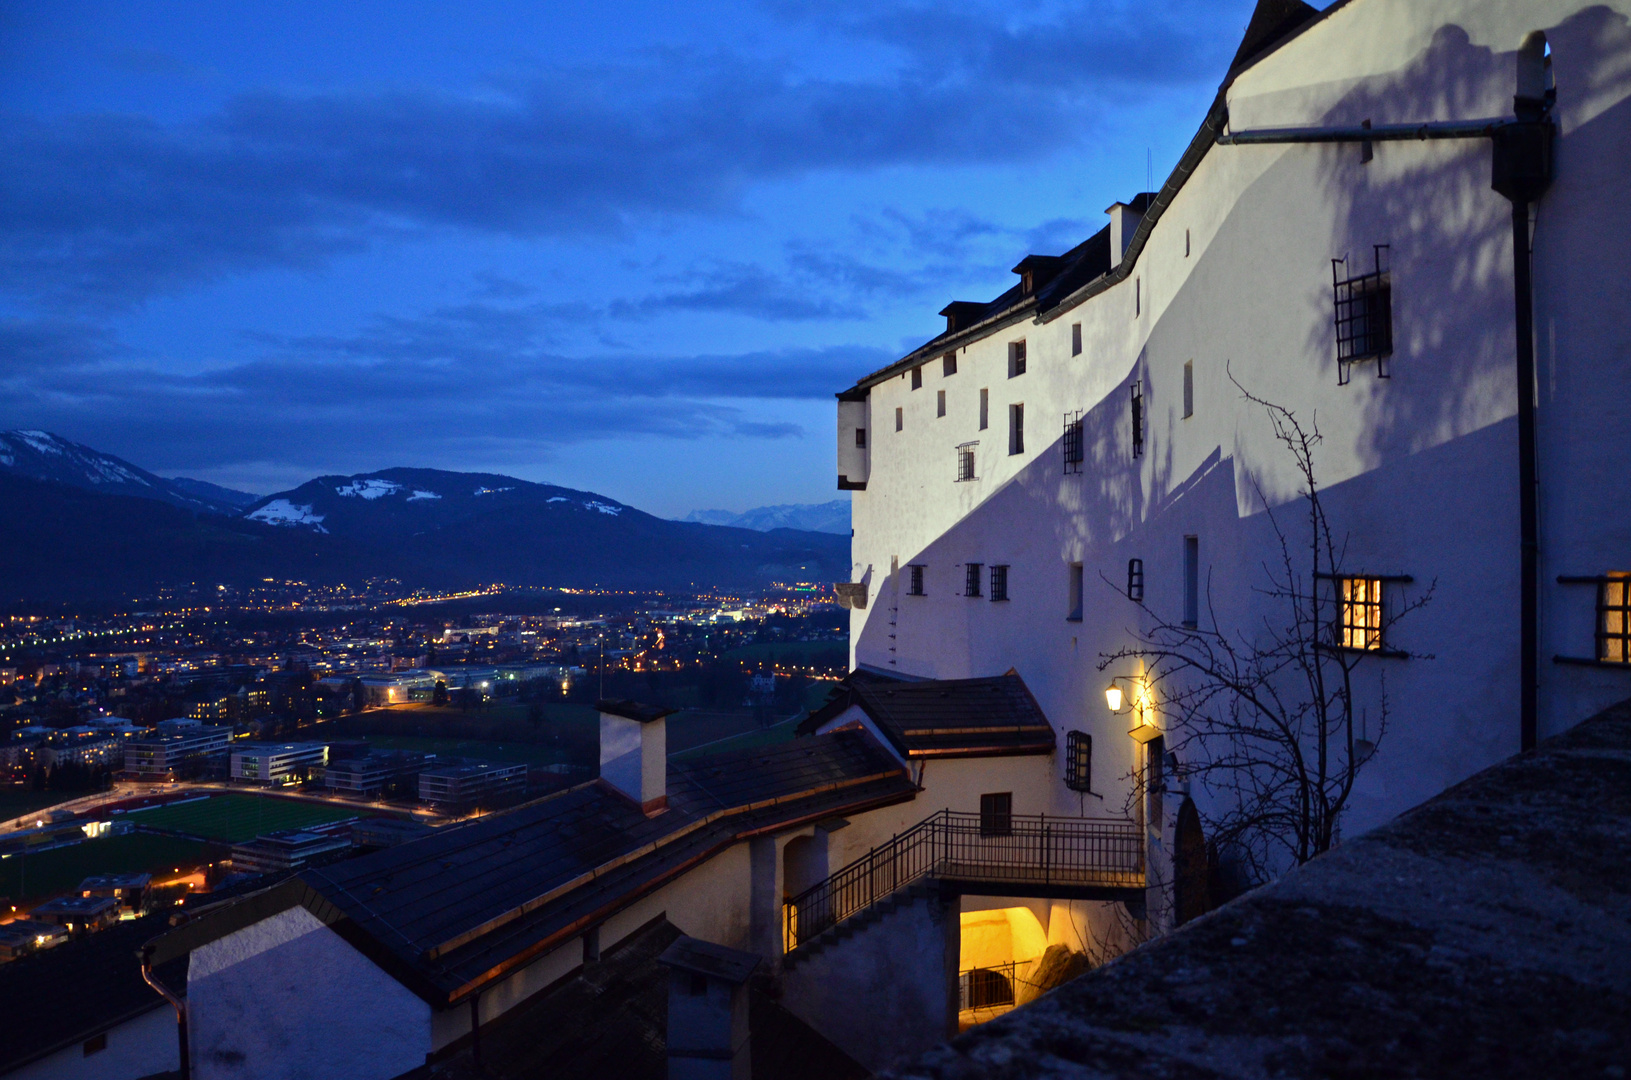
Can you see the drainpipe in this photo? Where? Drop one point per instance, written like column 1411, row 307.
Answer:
column 1521, row 170
column 146, row 955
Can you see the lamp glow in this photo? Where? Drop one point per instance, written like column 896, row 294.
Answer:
column 1112, row 697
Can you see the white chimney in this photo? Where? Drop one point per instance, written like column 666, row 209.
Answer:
column 1123, row 223
column 634, row 751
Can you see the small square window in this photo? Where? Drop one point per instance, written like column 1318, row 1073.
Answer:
column 1079, row 761
column 940, row 403
column 948, row 364
column 860, row 438
column 1359, row 613
column 899, row 418
column 917, row 377
column 1016, row 429
column 997, row 814
column 1614, row 618
column 914, row 580
column 1075, row 339
column 971, row 579
column 999, row 583
column 1016, row 359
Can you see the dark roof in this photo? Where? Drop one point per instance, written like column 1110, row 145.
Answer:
column 1088, row 267
column 633, row 710
column 62, row 996
column 611, row 1020
column 705, row 958
column 1481, row 934
column 453, row 911
column 945, row 717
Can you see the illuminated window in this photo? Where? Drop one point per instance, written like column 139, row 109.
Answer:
column 1079, row 761
column 997, row 814
column 1359, row 612
column 1614, row 618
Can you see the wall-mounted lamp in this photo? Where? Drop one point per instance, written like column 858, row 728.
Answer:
column 1132, row 697
column 1112, row 697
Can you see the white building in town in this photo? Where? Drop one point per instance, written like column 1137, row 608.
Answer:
column 968, row 807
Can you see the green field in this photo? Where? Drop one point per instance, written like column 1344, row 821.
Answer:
column 17, row 801
column 236, row 818
column 60, row 869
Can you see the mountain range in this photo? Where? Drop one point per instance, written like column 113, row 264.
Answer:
column 827, row 517
column 77, row 524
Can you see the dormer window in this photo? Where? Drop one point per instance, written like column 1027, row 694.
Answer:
column 1036, row 271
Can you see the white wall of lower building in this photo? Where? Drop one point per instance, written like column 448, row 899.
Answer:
column 138, row 1047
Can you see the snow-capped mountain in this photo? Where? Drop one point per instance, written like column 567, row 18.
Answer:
column 827, row 517
column 40, row 455
column 396, row 503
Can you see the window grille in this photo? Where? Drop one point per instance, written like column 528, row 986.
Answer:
column 1079, row 761
column 914, row 580
column 1075, row 339
column 1138, row 418
column 1016, row 358
column 1072, row 443
column 1364, row 315
column 971, row 579
column 1016, row 429
column 997, row 814
column 999, row 583
column 1614, row 619
column 965, row 462
column 948, row 364
column 1359, row 613
column 1135, row 580
column 940, row 403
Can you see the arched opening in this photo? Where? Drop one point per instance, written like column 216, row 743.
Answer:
column 1192, row 895
column 999, row 948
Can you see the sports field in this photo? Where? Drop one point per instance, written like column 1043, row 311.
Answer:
column 47, row 872
column 234, row 818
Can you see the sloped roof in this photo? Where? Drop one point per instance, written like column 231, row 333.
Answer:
column 988, row 717
column 451, row 912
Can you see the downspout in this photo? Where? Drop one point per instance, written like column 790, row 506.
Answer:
column 146, row 955
column 1521, row 170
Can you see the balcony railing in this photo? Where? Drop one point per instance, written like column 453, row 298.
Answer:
column 1013, row 849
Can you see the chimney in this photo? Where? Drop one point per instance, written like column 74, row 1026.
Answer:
column 1124, row 219
column 708, row 1011
column 634, row 751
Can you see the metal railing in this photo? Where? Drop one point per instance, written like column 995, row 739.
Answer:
column 1012, row 848
column 988, row 987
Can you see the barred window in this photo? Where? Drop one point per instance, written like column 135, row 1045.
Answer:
column 999, row 583
column 1359, row 613
column 1072, row 443
column 1363, row 313
column 914, row 580
column 965, row 462
column 1137, row 390
column 1135, row 580
column 971, row 579
column 1079, row 761
column 1614, row 619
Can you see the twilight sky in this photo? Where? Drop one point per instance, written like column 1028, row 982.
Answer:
column 628, row 247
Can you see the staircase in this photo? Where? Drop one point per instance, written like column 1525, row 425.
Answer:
column 1012, row 850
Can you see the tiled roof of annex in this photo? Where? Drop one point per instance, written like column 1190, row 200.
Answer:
column 987, row 717
column 450, row 913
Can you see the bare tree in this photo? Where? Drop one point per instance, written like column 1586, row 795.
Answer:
column 1265, row 716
